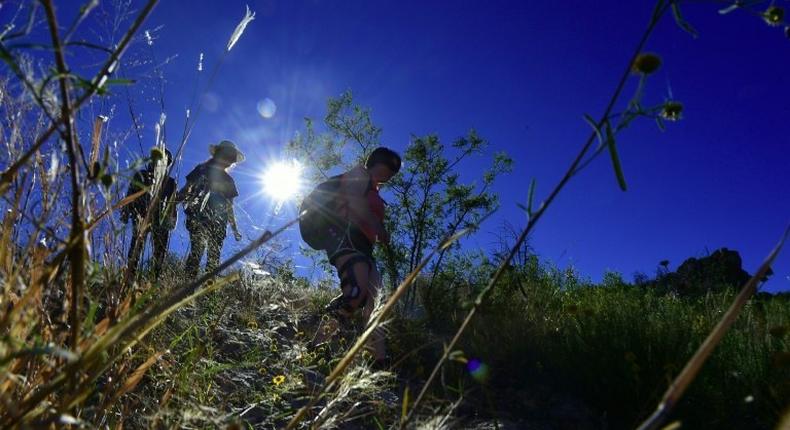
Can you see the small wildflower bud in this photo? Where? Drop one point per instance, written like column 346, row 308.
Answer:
column 107, row 180
column 156, row 154
column 646, row 63
column 774, row 15
column 672, row 110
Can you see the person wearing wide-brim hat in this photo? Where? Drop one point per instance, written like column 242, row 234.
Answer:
column 227, row 149
column 208, row 203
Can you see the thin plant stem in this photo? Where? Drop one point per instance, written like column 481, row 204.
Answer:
column 78, row 252
column 658, row 11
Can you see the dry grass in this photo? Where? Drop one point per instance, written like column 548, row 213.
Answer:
column 84, row 344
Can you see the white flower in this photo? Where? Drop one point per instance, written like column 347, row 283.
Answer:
column 248, row 16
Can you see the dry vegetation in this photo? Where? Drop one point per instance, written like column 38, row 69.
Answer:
column 85, row 344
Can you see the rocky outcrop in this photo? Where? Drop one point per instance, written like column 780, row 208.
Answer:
column 721, row 269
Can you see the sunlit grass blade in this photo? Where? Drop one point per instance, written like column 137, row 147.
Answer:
column 123, row 202
column 49, row 350
column 98, row 123
column 248, row 17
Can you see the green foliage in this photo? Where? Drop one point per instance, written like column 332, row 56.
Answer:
column 430, row 201
column 349, row 137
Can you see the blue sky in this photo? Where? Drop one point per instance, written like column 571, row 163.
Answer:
column 522, row 74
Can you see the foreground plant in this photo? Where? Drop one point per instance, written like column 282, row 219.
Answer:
column 51, row 364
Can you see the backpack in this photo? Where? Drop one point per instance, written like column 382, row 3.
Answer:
column 197, row 198
column 201, row 202
column 320, row 213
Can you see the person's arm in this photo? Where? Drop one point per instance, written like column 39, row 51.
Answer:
column 228, row 186
column 232, row 221
column 354, row 188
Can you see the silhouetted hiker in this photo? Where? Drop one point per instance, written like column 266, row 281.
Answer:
column 208, row 203
column 164, row 215
column 345, row 218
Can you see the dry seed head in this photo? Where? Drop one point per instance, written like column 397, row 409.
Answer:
column 248, row 17
column 774, row 15
column 157, row 154
column 646, row 63
column 672, row 110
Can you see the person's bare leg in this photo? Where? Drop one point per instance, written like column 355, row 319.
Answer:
column 327, row 327
column 377, row 341
column 368, row 280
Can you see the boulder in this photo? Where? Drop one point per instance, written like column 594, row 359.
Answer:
column 721, row 269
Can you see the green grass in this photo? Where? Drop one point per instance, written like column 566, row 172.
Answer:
column 554, row 344
column 616, row 347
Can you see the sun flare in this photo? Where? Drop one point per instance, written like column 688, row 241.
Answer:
column 282, row 180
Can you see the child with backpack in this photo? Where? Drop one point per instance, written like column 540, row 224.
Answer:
column 208, row 203
column 163, row 217
column 345, row 217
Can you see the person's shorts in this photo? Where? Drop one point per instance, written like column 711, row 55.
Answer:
column 345, row 241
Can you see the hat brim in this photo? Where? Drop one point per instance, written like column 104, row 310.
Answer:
column 214, row 148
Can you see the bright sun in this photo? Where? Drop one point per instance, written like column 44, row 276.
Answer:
column 283, row 179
